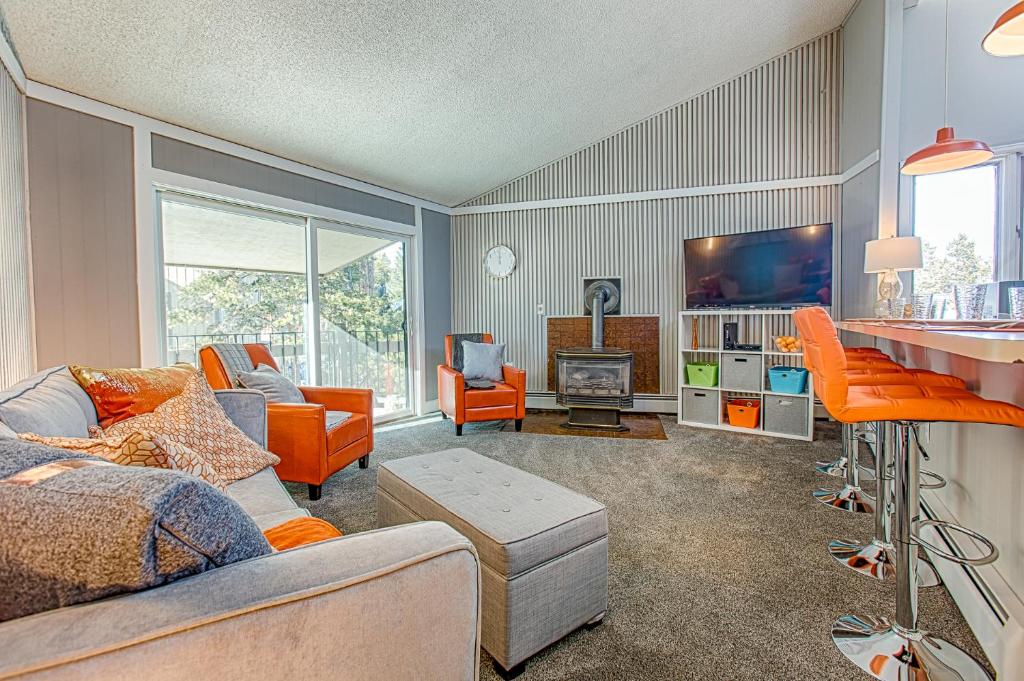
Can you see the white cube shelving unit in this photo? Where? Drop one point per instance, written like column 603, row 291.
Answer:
column 756, row 327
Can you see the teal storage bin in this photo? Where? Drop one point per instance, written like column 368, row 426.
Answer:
column 702, row 373
column 791, row 380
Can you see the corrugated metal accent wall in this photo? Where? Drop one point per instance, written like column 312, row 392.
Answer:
column 778, row 121
column 16, row 359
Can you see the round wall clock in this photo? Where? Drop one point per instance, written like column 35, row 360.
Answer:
column 500, row 261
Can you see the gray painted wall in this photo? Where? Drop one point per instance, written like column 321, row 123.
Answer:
column 188, row 159
column 860, row 225
column 82, row 206
column 986, row 93
column 437, row 292
column 16, row 356
column 863, row 46
column 780, row 120
column 860, row 135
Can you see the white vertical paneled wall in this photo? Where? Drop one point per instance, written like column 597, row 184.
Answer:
column 641, row 241
column 778, row 121
column 16, row 346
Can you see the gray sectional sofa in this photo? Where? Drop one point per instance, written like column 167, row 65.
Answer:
column 399, row 603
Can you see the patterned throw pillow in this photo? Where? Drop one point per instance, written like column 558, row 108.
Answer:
column 195, row 419
column 120, row 394
column 138, row 449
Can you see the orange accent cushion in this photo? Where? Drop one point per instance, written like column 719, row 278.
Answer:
column 341, row 436
column 299, row 532
column 138, row 449
column 501, row 395
column 195, row 419
column 120, row 394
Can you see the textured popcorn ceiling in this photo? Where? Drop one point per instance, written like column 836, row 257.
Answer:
column 443, row 99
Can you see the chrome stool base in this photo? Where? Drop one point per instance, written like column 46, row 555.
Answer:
column 891, row 654
column 849, row 499
column 879, row 561
column 835, row 468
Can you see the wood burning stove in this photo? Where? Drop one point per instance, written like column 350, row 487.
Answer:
column 595, row 383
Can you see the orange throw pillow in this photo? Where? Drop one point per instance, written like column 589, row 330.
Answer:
column 120, row 394
column 138, row 449
column 299, row 532
column 195, row 419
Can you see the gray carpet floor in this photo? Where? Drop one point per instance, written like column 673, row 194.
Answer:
column 718, row 567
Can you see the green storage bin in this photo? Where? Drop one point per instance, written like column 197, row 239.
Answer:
column 702, row 373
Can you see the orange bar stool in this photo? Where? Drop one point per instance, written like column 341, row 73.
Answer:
column 864, row 370
column 899, row 650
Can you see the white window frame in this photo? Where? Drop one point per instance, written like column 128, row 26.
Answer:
column 203, row 192
column 1009, row 253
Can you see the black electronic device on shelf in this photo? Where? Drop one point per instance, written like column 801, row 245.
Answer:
column 730, row 332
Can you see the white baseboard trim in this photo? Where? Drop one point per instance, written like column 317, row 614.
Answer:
column 658, row 404
column 993, row 611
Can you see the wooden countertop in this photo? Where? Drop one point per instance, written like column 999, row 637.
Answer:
column 978, row 340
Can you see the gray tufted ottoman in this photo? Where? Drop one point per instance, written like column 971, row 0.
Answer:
column 543, row 548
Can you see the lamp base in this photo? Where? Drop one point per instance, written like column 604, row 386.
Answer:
column 890, row 286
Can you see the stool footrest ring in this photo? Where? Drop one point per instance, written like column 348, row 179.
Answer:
column 939, row 483
column 989, row 557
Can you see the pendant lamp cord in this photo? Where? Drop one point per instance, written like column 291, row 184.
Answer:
column 945, row 75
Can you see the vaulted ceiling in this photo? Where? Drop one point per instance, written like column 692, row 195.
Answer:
column 442, row 99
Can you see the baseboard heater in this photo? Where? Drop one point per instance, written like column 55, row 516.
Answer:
column 993, row 611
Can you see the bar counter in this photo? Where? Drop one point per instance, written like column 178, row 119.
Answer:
column 988, row 341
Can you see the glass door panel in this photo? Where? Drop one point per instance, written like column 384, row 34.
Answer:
column 233, row 274
column 363, row 313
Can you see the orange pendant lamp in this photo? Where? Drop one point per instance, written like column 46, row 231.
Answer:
column 1006, row 39
column 948, row 152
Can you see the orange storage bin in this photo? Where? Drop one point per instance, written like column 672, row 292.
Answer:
column 744, row 412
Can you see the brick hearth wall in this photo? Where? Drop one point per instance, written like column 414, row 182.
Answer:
column 637, row 334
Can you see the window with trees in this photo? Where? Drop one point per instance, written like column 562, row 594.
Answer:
column 242, row 275
column 968, row 223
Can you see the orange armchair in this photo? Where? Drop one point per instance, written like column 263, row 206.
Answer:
column 311, row 443
column 507, row 400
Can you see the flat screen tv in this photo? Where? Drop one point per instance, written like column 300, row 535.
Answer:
column 774, row 268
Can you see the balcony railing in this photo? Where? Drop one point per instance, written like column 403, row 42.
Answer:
column 368, row 358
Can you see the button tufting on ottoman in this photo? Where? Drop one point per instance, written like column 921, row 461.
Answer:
column 543, row 548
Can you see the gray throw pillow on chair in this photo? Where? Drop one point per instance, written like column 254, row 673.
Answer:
column 271, row 383
column 482, row 360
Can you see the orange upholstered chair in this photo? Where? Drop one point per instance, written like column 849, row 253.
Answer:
column 507, row 400
column 310, row 438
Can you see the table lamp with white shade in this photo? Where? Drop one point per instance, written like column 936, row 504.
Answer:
column 886, row 257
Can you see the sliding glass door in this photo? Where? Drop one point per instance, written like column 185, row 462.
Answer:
column 361, row 289
column 328, row 298
column 235, row 275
